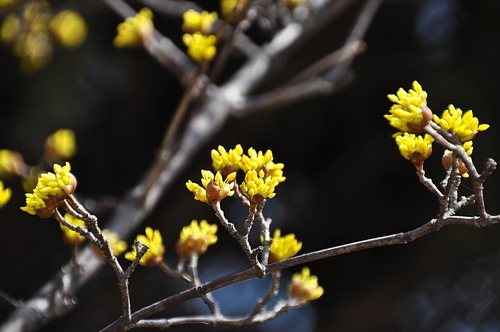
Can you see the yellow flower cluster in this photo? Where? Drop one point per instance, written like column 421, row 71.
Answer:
column 50, row 190
column 304, row 287
column 214, row 187
column 61, row 145
column 195, row 238
column 283, row 247
column 154, row 241
column 227, row 6
column 199, row 39
column 194, row 21
column 11, row 163
column 71, row 237
column 262, row 175
column 464, row 125
column 33, row 33
column 200, row 48
column 135, row 30
column 117, row 246
column 226, row 161
column 5, row 194
column 415, row 148
column 409, row 112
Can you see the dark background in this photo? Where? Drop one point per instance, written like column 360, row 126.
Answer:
column 345, row 178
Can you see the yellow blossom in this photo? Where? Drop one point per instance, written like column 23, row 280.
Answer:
column 226, row 161
column 117, row 246
column 464, row 126
column 194, row 21
column 154, row 241
column 135, row 30
column 200, row 48
column 71, row 237
column 283, row 247
column 195, row 239
column 304, row 287
column 61, row 145
column 257, row 186
column 214, row 187
column 409, row 112
column 11, row 163
column 258, row 161
column 5, row 194
column 69, row 28
column 11, row 28
column 415, row 148
column 50, row 190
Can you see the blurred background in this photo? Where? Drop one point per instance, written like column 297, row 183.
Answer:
column 345, row 178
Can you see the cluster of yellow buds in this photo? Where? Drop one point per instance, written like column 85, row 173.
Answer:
column 283, row 247
column 154, row 255
column 199, row 37
column 11, row 163
column 51, row 190
column 195, row 239
column 33, row 33
column 61, row 145
column 411, row 115
column 304, row 287
column 262, row 175
column 135, row 30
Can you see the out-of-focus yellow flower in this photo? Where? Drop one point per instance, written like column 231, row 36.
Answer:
column 215, row 187
column 415, row 148
column 50, row 190
column 5, row 194
column 70, row 28
column 34, row 49
column 117, row 246
column 194, row 21
column 7, row 3
column 447, row 159
column 258, row 161
column 195, row 239
column 283, row 247
column 409, row 112
column 154, row 241
column 227, row 6
column 226, row 162
column 11, row 28
column 257, row 186
column 11, row 163
column 135, row 30
column 70, row 237
column 200, row 48
column 464, row 126
column 304, row 287
column 61, row 145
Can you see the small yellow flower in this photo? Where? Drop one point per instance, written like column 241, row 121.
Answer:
column 227, row 6
column 215, row 188
column 195, row 239
column 257, row 186
column 415, row 148
column 200, row 48
column 198, row 22
column 226, row 161
column 304, row 287
column 69, row 28
column 283, row 247
column 117, row 246
column 71, row 237
column 154, row 241
column 50, row 190
column 258, row 161
column 464, row 126
column 409, row 112
column 135, row 30
column 5, row 194
column 11, row 163
column 61, row 145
